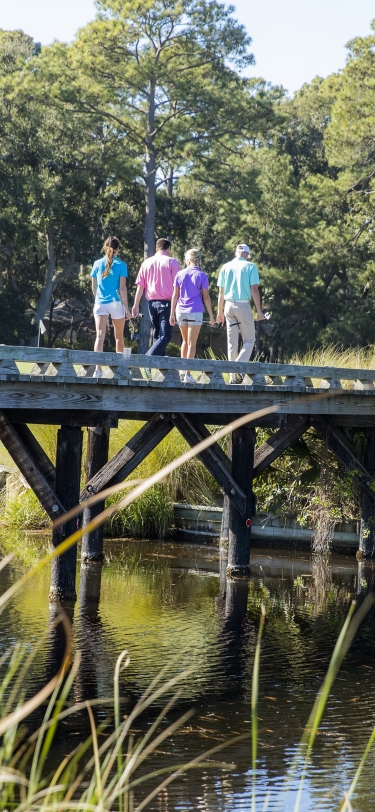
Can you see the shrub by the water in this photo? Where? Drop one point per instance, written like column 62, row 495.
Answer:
column 24, row 511
column 149, row 516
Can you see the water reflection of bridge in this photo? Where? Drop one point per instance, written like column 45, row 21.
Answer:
column 301, row 627
column 57, row 387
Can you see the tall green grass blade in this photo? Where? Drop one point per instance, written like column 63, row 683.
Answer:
column 346, row 802
column 343, row 643
column 254, row 707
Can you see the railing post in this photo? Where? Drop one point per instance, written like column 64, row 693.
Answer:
column 97, row 456
column 68, row 475
column 242, row 455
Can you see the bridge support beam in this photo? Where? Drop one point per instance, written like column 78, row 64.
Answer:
column 367, row 529
column 364, row 475
column 68, row 474
column 97, row 457
column 242, row 455
column 131, row 455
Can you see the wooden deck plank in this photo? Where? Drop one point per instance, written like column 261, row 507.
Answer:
column 235, row 400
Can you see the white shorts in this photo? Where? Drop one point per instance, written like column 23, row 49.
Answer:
column 189, row 319
column 114, row 309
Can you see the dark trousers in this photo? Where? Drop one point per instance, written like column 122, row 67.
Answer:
column 160, row 311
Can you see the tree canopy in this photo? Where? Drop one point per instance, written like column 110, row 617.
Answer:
column 146, row 126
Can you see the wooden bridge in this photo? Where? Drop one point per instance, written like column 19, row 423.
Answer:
column 57, row 387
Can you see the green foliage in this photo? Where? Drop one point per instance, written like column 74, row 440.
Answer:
column 149, row 517
column 24, row 512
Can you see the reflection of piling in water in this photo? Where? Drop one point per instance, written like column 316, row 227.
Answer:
column 86, row 684
column 233, row 611
column 366, row 577
column 56, row 637
column 89, row 594
column 321, row 581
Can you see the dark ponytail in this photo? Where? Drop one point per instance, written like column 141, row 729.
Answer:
column 110, row 246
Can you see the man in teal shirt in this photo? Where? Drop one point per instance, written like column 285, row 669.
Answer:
column 238, row 282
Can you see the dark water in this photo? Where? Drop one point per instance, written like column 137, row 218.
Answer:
column 165, row 604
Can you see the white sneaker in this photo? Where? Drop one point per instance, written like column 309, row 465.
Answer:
column 98, row 373
column 189, row 378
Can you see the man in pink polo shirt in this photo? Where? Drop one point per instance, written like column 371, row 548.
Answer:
column 155, row 279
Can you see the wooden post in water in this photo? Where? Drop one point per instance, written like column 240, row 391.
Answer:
column 367, row 529
column 242, row 455
column 68, row 474
column 223, row 544
column 97, row 456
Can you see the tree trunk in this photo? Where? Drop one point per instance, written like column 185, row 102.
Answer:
column 150, row 213
column 46, row 291
column 51, row 281
column 49, row 334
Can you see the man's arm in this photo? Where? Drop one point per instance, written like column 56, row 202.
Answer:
column 138, row 297
column 220, row 307
column 176, row 293
column 256, row 297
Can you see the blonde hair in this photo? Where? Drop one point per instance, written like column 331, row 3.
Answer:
column 110, row 246
column 193, row 256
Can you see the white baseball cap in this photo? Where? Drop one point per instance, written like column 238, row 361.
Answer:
column 243, row 247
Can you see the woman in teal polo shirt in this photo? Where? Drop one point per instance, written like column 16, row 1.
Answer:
column 108, row 280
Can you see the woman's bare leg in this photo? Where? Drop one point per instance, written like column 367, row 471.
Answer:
column 118, row 326
column 184, row 345
column 101, row 326
column 192, row 338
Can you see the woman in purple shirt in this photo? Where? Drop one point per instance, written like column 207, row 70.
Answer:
column 190, row 295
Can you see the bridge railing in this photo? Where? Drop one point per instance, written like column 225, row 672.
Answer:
column 33, row 363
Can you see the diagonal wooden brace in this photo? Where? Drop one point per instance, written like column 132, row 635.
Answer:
column 211, row 461
column 343, row 449
column 279, row 442
column 29, row 469
column 131, row 455
column 37, row 452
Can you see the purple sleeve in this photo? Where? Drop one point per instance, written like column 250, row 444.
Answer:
column 177, row 282
column 175, row 268
column 204, row 281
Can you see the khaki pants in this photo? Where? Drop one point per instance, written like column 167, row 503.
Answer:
column 240, row 319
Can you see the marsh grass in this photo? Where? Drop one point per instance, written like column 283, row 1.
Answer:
column 95, row 775
column 24, row 512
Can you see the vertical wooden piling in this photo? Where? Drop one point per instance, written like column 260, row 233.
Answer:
column 68, row 474
column 367, row 529
column 223, row 544
column 97, row 456
column 242, row 455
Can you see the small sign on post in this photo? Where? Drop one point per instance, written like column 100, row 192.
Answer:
column 42, row 330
